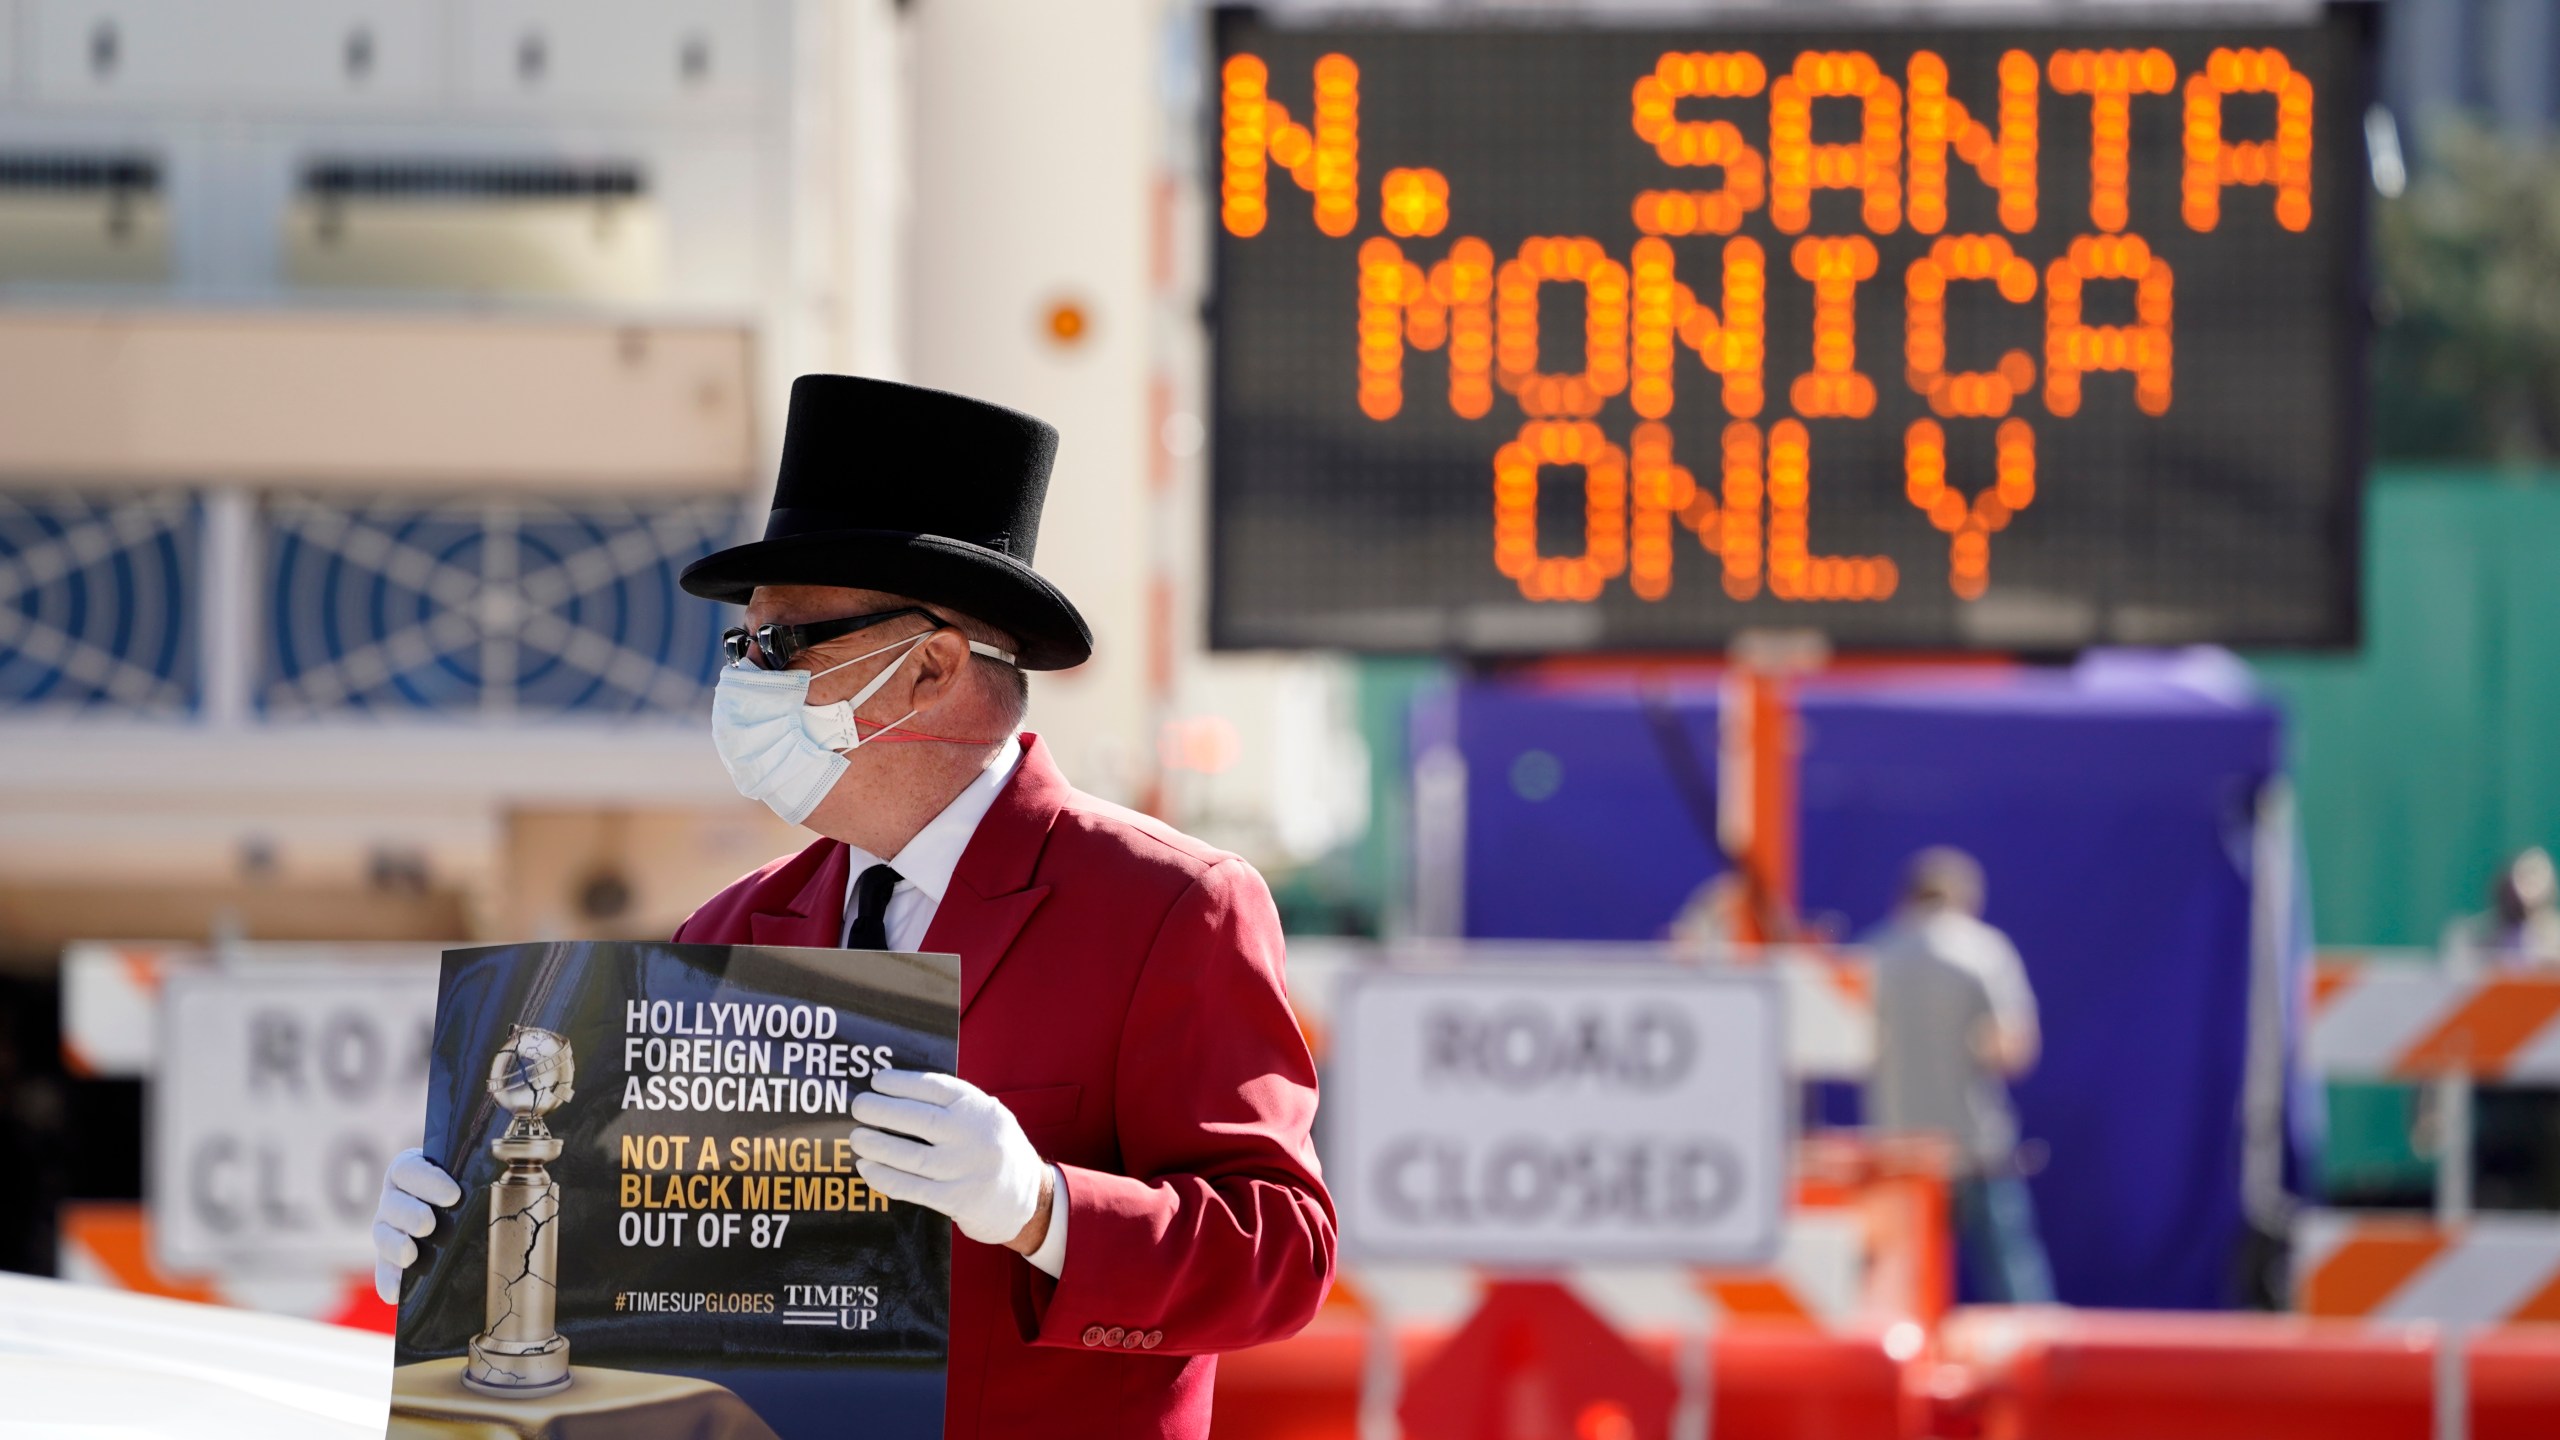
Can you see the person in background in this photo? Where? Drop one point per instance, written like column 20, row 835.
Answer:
column 2515, row 1128
column 1955, row 1022
column 2521, row 928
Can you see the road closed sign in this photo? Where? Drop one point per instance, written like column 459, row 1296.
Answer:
column 282, row 1093
column 1517, row 1115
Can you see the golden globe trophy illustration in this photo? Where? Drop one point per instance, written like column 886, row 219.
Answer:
column 521, row 1354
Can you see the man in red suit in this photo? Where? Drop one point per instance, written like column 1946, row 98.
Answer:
column 1126, row 1150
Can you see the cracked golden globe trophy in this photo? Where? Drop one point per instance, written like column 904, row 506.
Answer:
column 522, row 1354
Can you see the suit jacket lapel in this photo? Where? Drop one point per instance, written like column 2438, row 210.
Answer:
column 991, row 895
column 813, row 917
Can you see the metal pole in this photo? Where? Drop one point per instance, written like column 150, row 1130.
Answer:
column 2453, row 1150
column 2453, row 1210
column 1756, row 780
column 227, row 596
column 1381, row 1377
column 2453, row 1096
column 2271, row 938
column 1695, row 1418
column 2453, row 1384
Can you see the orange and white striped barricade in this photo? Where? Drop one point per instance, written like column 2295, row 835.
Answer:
column 108, row 1243
column 2404, row 1016
column 1831, row 1011
column 2377, row 1018
column 111, row 1004
column 2488, row 1270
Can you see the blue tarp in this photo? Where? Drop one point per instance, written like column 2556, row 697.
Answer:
column 2113, row 818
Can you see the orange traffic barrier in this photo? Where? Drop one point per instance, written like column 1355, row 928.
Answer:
column 108, row 1243
column 2057, row 1374
column 1771, row 1382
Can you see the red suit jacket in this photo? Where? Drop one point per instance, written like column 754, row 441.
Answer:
column 1121, row 993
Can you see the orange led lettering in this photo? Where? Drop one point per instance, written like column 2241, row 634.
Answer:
column 1924, row 345
column 1254, row 128
column 2214, row 162
column 1872, row 164
column 1566, row 260
column 1677, row 76
column 1665, row 311
column 1739, row 543
column 1795, row 574
column 1787, row 486
column 1834, row 386
column 1244, row 143
column 1402, row 304
column 2006, row 163
column 1414, row 202
column 2071, row 348
column 1604, row 506
column 1664, row 492
column 2111, row 78
column 1969, row 527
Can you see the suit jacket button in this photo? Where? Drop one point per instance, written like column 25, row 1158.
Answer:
column 1113, row 1336
column 1093, row 1334
column 1154, row 1338
column 1137, row 1340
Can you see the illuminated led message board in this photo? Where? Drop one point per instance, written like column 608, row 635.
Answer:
column 1971, row 336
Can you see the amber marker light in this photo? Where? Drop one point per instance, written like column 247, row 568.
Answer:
column 1067, row 324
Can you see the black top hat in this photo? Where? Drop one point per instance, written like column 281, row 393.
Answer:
column 917, row 492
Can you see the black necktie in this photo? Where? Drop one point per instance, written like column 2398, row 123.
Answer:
column 871, row 909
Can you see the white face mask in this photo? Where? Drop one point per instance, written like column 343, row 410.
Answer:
column 779, row 748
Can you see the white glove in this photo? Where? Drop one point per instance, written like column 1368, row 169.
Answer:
column 970, row 1159
column 409, row 1188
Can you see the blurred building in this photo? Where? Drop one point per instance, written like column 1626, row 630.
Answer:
column 2495, row 59
column 369, row 369
column 367, row 374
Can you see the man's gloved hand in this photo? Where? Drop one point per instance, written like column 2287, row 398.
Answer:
column 409, row 1188
column 969, row 1160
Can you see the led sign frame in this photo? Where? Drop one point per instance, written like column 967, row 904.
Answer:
column 1539, row 338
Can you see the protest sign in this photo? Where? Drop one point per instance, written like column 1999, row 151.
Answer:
column 661, row 1220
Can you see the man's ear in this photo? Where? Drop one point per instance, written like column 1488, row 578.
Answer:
column 943, row 658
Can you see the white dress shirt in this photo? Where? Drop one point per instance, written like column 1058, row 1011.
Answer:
column 924, row 869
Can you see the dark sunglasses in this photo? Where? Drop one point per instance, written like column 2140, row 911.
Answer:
column 773, row 646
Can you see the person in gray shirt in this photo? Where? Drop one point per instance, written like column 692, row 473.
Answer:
column 1955, row 1022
